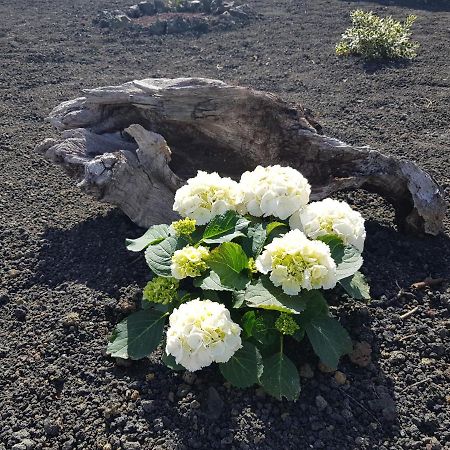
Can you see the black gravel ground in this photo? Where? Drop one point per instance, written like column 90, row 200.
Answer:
column 66, row 277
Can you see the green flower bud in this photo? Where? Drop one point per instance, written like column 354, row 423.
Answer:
column 252, row 266
column 285, row 324
column 184, row 226
column 161, row 290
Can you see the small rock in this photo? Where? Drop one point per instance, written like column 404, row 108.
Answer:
column 321, row 403
column 134, row 11
column 13, row 273
column 121, row 362
column 258, row 439
column 340, row 377
column 21, row 434
column 29, row 444
column 111, row 410
column 146, row 8
column 71, row 319
column 189, row 377
column 20, row 314
column 361, row 354
column 427, row 361
column 183, row 390
column 4, row 298
column 397, row 357
column 19, row 446
column 347, row 414
column 134, row 395
column 434, row 444
column 51, row 428
column 215, row 404
column 171, row 397
column 131, row 446
column 69, row 444
column 160, row 6
column 148, row 405
column 107, row 446
column 323, row 368
column 150, row 376
column 158, row 28
column 306, row 371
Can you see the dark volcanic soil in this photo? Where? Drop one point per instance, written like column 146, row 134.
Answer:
column 67, row 278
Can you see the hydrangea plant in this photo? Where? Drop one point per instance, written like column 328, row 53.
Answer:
column 247, row 267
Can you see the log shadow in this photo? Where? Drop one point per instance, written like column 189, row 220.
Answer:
column 92, row 253
column 393, row 259
column 425, row 5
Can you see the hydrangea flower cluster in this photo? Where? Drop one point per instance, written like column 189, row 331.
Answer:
column 297, row 263
column 161, row 290
column 247, row 266
column 202, row 332
column 273, row 191
column 331, row 217
column 189, row 262
column 205, row 196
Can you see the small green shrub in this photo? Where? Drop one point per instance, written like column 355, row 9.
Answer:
column 375, row 37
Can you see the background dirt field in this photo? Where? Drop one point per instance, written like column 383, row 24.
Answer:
column 61, row 252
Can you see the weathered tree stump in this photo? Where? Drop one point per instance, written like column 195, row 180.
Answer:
column 114, row 143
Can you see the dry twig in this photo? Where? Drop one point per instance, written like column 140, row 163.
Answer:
column 409, row 313
column 427, row 283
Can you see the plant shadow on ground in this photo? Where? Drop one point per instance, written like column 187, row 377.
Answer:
column 362, row 409
column 426, row 5
column 93, row 253
column 371, row 66
column 208, row 411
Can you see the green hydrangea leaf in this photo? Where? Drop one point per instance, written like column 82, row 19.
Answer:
column 238, row 298
column 159, row 256
column 329, row 339
column 348, row 259
column 138, row 335
column 258, row 235
column 272, row 226
column 336, row 246
column 263, row 294
column 351, row 262
column 315, row 306
column 211, row 282
column 169, row 361
column 228, row 260
column 280, row 377
column 152, row 236
column 244, row 368
column 224, row 228
column 356, row 286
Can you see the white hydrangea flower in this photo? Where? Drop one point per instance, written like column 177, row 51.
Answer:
column 201, row 332
column 296, row 263
column 331, row 217
column 189, row 262
column 273, row 191
column 205, row 196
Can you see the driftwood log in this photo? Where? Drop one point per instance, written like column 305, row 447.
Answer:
column 133, row 145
